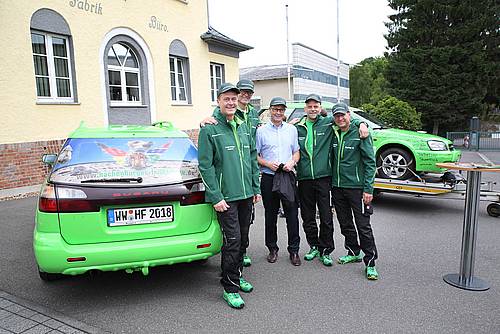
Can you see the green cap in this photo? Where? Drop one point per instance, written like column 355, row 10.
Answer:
column 245, row 84
column 340, row 108
column 277, row 101
column 226, row 87
column 314, row 97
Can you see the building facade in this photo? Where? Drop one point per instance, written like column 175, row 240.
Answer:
column 103, row 63
column 311, row 71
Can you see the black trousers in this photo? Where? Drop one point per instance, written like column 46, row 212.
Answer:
column 348, row 202
column 234, row 223
column 271, row 201
column 312, row 193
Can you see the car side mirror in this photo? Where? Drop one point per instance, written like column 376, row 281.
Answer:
column 49, row 159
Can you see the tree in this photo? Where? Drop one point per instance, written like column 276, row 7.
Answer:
column 441, row 59
column 396, row 113
column 367, row 83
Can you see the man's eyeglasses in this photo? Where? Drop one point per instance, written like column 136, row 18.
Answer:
column 246, row 92
column 278, row 109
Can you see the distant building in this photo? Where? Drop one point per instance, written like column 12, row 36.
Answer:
column 311, row 72
column 103, row 63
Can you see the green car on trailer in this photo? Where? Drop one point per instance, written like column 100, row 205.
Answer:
column 123, row 198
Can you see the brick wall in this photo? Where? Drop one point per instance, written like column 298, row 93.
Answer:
column 21, row 163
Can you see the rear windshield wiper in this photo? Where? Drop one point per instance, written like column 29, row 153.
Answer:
column 116, row 180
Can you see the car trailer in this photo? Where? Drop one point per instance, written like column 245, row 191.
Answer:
column 449, row 185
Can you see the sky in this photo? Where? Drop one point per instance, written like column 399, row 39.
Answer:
column 262, row 25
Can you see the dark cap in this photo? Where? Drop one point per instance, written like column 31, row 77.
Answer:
column 245, row 84
column 226, row 87
column 340, row 108
column 314, row 97
column 277, row 101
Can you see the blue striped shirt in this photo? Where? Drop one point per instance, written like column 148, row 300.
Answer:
column 276, row 144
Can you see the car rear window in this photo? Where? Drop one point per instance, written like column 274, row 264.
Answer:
column 153, row 160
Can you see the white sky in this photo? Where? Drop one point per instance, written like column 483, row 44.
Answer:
column 262, row 24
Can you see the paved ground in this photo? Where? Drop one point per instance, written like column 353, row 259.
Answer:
column 418, row 241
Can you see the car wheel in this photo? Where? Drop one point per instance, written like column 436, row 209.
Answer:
column 395, row 163
column 493, row 209
column 48, row 277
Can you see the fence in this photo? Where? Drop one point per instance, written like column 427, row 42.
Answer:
column 475, row 141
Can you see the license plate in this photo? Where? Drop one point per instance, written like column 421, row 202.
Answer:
column 136, row 216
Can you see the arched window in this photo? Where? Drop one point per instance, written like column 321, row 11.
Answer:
column 53, row 57
column 180, row 85
column 123, row 75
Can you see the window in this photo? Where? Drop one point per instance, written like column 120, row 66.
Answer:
column 180, row 86
column 123, row 75
column 216, row 79
column 177, row 81
column 52, row 67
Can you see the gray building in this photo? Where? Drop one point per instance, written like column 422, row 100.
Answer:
column 311, row 71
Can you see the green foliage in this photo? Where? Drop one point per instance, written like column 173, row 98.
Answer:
column 396, row 113
column 443, row 58
column 367, row 81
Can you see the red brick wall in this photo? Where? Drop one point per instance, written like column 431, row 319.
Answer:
column 21, row 164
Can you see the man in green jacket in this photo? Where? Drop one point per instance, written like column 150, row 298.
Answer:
column 353, row 175
column 314, row 173
column 246, row 113
column 228, row 165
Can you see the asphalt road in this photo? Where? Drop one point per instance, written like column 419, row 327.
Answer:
column 418, row 241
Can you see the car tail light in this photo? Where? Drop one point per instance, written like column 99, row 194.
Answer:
column 61, row 199
column 47, row 201
column 195, row 196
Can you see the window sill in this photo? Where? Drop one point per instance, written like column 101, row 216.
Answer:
column 181, row 104
column 57, row 103
column 128, row 106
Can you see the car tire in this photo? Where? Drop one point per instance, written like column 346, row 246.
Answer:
column 395, row 163
column 48, row 277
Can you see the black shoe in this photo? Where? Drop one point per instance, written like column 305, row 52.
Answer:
column 273, row 256
column 295, row 259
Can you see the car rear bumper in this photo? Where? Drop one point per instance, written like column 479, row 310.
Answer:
column 52, row 252
column 427, row 160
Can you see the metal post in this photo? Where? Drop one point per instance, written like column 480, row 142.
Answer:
column 465, row 278
column 338, row 55
column 288, row 57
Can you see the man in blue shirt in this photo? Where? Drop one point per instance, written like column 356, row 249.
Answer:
column 278, row 152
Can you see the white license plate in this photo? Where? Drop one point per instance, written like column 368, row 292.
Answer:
column 136, row 216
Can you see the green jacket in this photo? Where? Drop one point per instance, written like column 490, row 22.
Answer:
column 320, row 164
column 353, row 160
column 251, row 118
column 227, row 161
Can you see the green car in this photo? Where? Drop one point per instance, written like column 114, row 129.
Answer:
column 401, row 154
column 123, row 197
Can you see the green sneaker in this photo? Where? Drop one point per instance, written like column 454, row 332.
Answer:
column 371, row 273
column 247, row 261
column 313, row 252
column 350, row 258
column 233, row 299
column 326, row 260
column 245, row 286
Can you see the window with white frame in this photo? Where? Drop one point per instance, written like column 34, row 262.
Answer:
column 216, row 79
column 123, row 75
column 52, row 63
column 177, row 79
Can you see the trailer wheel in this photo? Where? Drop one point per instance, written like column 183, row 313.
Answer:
column 493, row 209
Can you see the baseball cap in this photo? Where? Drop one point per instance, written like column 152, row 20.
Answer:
column 314, row 97
column 277, row 101
column 245, row 84
column 340, row 108
column 226, row 87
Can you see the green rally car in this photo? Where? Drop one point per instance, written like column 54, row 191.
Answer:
column 123, row 197
column 400, row 154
